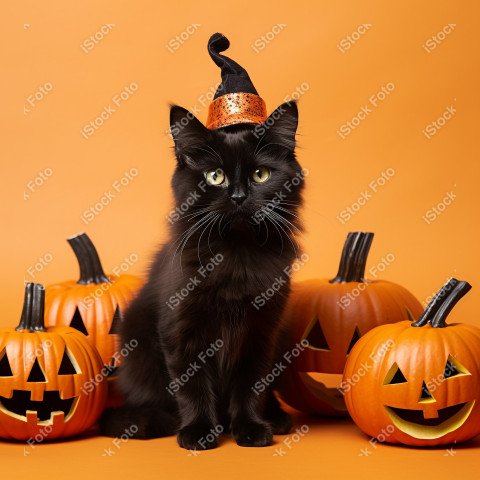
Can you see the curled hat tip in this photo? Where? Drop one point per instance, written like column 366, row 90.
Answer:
column 218, row 43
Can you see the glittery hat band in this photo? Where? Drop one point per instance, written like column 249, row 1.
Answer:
column 233, row 108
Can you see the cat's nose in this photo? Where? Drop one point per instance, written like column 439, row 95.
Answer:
column 238, row 196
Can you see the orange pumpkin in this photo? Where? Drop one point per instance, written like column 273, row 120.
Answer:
column 50, row 381
column 331, row 315
column 93, row 304
column 418, row 383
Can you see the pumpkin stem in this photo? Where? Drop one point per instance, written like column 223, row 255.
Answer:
column 442, row 303
column 354, row 258
column 33, row 308
column 91, row 270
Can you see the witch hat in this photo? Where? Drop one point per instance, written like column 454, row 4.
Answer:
column 236, row 99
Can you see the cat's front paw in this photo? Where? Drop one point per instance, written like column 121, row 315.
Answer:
column 252, row 434
column 197, row 437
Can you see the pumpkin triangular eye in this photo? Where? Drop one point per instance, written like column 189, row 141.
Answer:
column 355, row 339
column 453, row 368
column 316, row 337
column 67, row 367
column 117, row 319
column 5, row 369
column 36, row 373
column 426, row 396
column 77, row 322
column 394, row 376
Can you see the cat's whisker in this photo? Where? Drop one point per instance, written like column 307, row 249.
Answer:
column 212, row 220
column 196, row 214
column 186, row 235
column 210, row 232
column 286, row 211
column 274, row 223
column 281, row 221
column 200, row 224
column 285, row 221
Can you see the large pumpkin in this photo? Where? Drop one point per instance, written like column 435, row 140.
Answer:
column 418, row 383
column 331, row 315
column 50, row 382
column 94, row 303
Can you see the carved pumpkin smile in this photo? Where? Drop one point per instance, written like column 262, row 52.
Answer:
column 424, row 387
column 46, row 412
column 414, row 423
column 332, row 315
column 46, row 376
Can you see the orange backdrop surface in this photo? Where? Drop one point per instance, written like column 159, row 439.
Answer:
column 388, row 99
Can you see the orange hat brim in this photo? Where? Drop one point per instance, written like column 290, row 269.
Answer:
column 235, row 108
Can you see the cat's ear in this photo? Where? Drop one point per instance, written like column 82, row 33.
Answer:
column 281, row 125
column 187, row 131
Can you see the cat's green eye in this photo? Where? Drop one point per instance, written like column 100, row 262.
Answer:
column 215, row 177
column 261, row 174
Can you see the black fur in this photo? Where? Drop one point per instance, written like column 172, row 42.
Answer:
column 220, row 307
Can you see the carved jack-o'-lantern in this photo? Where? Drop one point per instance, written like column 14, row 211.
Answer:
column 93, row 304
column 47, row 377
column 332, row 315
column 418, row 384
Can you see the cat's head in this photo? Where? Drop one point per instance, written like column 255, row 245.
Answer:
column 244, row 175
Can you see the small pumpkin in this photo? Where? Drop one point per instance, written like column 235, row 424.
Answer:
column 47, row 377
column 331, row 315
column 94, row 303
column 418, row 383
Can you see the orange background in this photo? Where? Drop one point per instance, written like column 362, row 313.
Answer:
column 41, row 44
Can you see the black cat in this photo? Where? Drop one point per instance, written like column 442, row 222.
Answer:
column 207, row 321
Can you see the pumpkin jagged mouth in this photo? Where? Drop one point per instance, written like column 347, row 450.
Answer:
column 322, row 385
column 413, row 422
column 20, row 406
